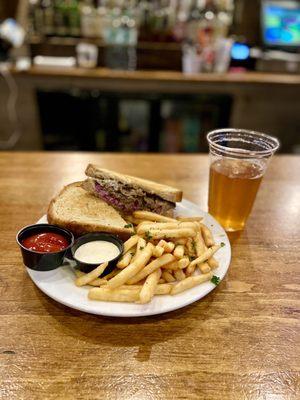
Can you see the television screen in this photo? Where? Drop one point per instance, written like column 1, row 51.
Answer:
column 281, row 23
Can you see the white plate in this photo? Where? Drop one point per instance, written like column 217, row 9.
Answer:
column 59, row 284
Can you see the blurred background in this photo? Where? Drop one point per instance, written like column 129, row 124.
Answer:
column 141, row 75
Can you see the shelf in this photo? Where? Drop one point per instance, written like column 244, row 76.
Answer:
column 162, row 76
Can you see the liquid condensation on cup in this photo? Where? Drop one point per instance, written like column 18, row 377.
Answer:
column 239, row 159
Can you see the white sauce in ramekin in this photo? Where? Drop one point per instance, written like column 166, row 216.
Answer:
column 96, row 252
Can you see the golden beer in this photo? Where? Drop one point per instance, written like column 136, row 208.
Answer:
column 233, row 187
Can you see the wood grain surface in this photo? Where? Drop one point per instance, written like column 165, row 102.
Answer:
column 242, row 341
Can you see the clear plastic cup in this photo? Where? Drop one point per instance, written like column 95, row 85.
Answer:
column 238, row 162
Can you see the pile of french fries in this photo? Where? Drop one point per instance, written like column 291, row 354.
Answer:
column 164, row 256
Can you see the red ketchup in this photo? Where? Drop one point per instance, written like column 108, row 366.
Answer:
column 48, row 242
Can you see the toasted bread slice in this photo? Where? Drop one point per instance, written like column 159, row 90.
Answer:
column 165, row 192
column 80, row 212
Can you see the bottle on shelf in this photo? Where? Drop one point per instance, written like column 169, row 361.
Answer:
column 145, row 18
column 73, row 18
column 36, row 17
column 121, row 39
column 180, row 26
column 197, row 22
column 48, row 17
column 60, row 18
column 88, row 16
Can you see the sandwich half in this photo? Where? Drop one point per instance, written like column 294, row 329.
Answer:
column 80, row 212
column 128, row 194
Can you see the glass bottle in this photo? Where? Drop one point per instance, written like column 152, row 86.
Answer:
column 48, row 17
column 59, row 18
column 38, row 17
column 74, row 18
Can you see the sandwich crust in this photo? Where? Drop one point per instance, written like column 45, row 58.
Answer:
column 167, row 193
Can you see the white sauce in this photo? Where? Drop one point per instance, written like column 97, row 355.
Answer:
column 96, row 252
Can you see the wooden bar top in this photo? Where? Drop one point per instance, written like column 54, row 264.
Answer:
column 239, row 342
column 160, row 76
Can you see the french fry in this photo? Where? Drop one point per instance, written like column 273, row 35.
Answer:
column 158, row 251
column 213, row 263
column 78, row 273
column 167, row 246
column 134, row 221
column 199, row 244
column 206, row 255
column 179, row 275
column 160, row 289
column 128, row 218
column 130, row 243
column 132, row 269
column 167, row 276
column 189, row 219
column 163, row 289
column 191, row 247
column 123, row 295
column 154, row 265
column 125, row 260
column 179, row 251
column 112, row 274
column 95, row 282
column 142, row 228
column 156, row 260
column 150, row 216
column 170, row 247
column 204, row 268
column 169, row 233
column 162, row 243
column 98, row 282
column 207, row 236
column 141, row 244
column 149, row 287
column 178, row 264
column 190, row 269
column 181, row 241
column 190, row 282
column 87, row 278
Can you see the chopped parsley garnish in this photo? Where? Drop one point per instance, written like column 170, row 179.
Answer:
column 215, row 280
column 128, row 226
column 148, row 235
column 222, row 244
column 142, row 248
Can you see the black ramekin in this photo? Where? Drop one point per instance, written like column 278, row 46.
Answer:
column 91, row 237
column 43, row 261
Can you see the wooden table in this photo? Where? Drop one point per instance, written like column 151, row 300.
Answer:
column 239, row 342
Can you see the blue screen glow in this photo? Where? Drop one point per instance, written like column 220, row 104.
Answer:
column 240, row 51
column 281, row 24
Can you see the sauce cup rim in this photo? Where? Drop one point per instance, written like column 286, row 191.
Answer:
column 97, row 233
column 22, row 230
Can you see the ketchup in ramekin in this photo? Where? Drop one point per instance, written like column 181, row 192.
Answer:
column 44, row 246
column 46, row 242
